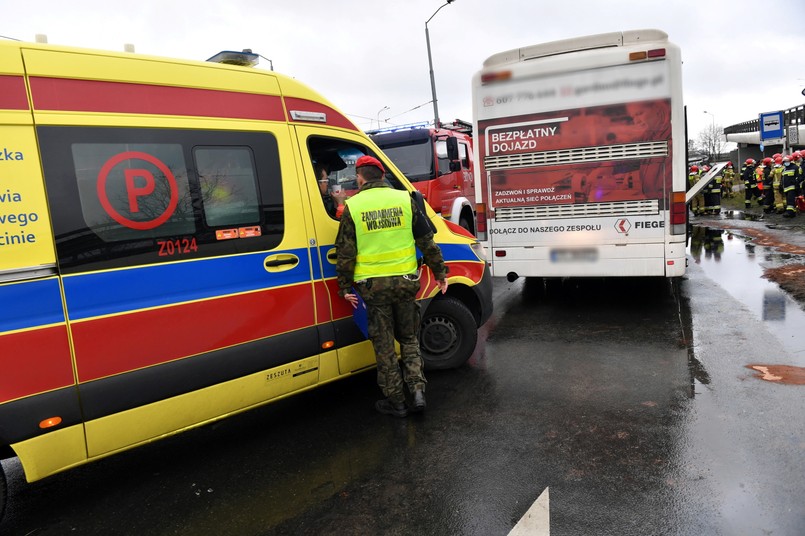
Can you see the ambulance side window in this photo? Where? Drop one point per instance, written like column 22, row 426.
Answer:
column 339, row 156
column 228, row 186
column 121, row 201
column 124, row 196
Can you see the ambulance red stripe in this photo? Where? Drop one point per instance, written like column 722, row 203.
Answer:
column 334, row 118
column 66, row 94
column 12, row 93
column 40, row 359
column 118, row 344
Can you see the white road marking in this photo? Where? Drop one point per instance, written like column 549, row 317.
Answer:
column 537, row 520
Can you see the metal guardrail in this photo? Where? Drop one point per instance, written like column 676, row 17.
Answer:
column 792, row 116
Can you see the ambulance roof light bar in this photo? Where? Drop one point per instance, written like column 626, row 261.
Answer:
column 246, row 58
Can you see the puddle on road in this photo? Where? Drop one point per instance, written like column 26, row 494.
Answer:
column 734, row 262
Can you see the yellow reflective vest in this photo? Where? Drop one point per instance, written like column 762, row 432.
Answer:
column 383, row 229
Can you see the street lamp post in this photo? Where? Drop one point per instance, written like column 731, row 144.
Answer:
column 383, row 109
column 436, row 122
column 712, row 136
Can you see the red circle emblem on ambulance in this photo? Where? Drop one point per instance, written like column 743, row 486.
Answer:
column 140, row 184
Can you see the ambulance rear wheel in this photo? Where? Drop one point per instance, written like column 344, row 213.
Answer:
column 447, row 335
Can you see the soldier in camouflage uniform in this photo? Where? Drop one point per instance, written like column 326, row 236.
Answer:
column 376, row 256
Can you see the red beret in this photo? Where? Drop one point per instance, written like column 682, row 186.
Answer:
column 369, row 161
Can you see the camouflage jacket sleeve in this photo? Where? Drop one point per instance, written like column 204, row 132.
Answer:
column 431, row 253
column 346, row 247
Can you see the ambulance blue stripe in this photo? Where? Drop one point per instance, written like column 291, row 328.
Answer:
column 458, row 253
column 119, row 291
column 30, row 304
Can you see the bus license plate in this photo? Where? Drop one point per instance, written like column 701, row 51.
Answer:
column 574, row 255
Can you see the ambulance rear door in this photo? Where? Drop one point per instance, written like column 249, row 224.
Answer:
column 37, row 384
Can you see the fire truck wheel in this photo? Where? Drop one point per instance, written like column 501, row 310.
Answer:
column 465, row 223
column 447, row 335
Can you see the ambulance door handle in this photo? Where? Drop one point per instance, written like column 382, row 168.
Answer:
column 332, row 256
column 281, row 262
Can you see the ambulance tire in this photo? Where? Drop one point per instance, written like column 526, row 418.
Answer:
column 447, row 335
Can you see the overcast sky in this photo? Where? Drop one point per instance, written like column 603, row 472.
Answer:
column 741, row 57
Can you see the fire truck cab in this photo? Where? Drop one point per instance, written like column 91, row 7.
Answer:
column 438, row 162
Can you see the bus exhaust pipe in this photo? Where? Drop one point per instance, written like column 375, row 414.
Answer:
column 511, row 277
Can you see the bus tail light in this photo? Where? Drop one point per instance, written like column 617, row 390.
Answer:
column 480, row 221
column 650, row 54
column 496, row 77
column 679, row 214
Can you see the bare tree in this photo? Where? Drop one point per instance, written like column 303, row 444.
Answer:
column 712, row 141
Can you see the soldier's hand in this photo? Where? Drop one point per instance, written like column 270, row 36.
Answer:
column 442, row 284
column 353, row 299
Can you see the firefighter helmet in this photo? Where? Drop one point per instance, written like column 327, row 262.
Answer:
column 767, row 160
column 694, row 169
column 778, row 160
column 749, row 162
column 729, row 164
column 775, row 155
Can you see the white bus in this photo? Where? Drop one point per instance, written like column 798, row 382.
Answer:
column 581, row 145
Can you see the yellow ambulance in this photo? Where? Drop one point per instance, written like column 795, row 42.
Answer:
column 166, row 250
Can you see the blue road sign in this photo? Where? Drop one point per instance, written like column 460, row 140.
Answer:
column 771, row 125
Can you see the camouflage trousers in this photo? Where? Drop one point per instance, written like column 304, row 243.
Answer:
column 393, row 313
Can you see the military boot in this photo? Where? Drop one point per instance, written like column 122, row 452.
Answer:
column 387, row 407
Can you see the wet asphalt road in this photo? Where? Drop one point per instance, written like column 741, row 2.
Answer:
column 630, row 400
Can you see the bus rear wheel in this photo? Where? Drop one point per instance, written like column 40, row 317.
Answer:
column 448, row 334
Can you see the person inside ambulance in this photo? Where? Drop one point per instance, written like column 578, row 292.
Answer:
column 332, row 195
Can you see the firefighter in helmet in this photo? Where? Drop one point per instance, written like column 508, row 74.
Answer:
column 697, row 203
column 750, row 184
column 710, row 192
column 789, row 187
column 798, row 159
column 728, row 179
column 771, row 186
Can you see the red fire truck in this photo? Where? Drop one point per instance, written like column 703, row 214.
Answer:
column 438, row 161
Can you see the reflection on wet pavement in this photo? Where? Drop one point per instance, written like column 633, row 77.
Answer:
column 737, row 265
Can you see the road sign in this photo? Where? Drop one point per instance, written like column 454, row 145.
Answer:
column 771, row 125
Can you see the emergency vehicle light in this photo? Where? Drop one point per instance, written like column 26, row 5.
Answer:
column 247, row 58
